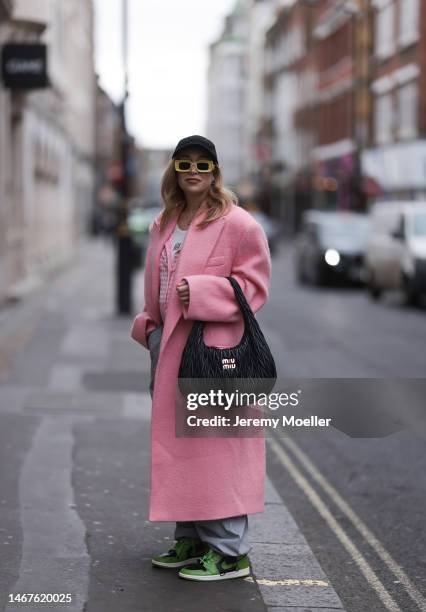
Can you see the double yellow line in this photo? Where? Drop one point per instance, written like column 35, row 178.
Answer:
column 284, row 457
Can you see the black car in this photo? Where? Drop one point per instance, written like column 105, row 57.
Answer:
column 330, row 247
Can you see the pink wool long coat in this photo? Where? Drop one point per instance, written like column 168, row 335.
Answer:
column 203, row 478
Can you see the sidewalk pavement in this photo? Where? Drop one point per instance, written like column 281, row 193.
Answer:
column 74, row 475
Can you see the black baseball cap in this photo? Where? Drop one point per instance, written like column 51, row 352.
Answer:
column 196, row 141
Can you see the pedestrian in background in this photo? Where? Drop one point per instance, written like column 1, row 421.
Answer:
column 207, row 486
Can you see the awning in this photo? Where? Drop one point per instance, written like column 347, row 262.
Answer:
column 399, row 166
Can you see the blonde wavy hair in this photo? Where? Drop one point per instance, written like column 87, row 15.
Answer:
column 219, row 198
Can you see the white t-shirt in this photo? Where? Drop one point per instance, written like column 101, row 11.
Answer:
column 178, row 237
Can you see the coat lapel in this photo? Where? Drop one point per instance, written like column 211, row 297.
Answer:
column 198, row 245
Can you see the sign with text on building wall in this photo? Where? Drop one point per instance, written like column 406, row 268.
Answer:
column 24, row 66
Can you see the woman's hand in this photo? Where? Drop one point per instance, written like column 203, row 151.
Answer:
column 183, row 291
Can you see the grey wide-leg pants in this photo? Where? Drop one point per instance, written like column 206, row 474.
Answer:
column 228, row 536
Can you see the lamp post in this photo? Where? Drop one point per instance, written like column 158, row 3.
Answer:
column 124, row 271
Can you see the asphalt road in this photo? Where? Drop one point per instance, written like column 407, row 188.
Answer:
column 74, row 450
column 359, row 502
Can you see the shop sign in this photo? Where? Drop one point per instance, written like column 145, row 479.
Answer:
column 24, row 66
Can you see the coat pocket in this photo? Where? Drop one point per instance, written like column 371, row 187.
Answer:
column 216, row 261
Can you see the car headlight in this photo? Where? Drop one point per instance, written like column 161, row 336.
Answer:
column 332, row 257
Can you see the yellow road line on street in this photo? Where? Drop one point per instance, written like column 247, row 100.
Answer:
column 288, row 582
column 387, row 600
column 357, row 522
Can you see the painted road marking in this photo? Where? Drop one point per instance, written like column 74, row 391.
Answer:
column 288, row 582
column 357, row 522
column 387, row 600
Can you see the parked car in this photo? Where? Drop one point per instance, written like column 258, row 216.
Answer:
column 396, row 253
column 330, row 247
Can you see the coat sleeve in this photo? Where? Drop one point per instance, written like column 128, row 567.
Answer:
column 212, row 298
column 143, row 323
column 142, row 326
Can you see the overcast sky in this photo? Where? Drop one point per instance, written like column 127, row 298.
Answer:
column 168, row 60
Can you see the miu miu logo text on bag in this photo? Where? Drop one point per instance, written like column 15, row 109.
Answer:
column 228, row 364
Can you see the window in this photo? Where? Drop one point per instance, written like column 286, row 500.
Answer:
column 408, row 21
column 407, row 110
column 384, row 118
column 385, row 20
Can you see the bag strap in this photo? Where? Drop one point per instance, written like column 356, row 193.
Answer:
column 241, row 299
column 251, row 326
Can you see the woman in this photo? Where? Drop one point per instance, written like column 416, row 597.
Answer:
column 207, row 485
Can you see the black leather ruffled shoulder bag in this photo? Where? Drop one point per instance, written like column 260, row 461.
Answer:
column 249, row 365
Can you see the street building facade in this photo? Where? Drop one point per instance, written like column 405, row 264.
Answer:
column 227, row 75
column 5, row 171
column 318, row 106
column 289, row 129
column 261, row 17
column 48, row 139
column 334, row 156
column 396, row 158
column 345, row 108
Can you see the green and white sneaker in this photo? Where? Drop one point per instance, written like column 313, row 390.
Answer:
column 184, row 552
column 214, row 566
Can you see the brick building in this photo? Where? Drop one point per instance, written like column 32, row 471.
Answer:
column 342, row 48
column 290, row 120
column 396, row 156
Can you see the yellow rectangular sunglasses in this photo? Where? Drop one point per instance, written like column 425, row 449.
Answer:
column 202, row 165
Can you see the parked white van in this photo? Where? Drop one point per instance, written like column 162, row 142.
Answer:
column 395, row 257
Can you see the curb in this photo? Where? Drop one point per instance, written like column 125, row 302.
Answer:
column 285, row 569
